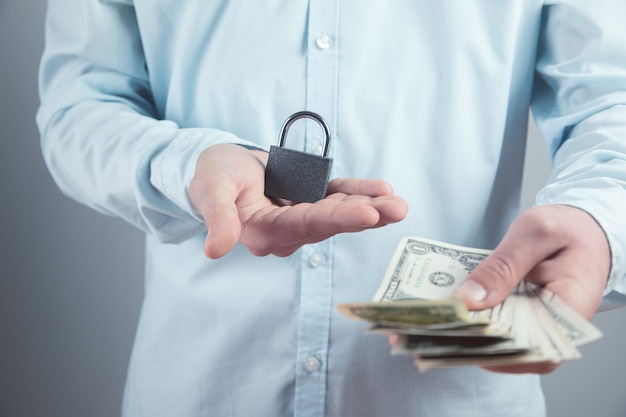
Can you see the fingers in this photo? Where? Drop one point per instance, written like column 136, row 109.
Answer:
column 385, row 208
column 359, row 186
column 391, row 208
column 283, row 230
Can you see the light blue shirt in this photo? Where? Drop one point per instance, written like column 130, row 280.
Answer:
column 431, row 96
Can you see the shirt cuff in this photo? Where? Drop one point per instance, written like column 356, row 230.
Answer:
column 173, row 169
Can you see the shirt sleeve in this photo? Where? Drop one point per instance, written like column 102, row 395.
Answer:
column 579, row 104
column 104, row 143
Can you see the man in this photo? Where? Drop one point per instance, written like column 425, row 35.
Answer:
column 158, row 112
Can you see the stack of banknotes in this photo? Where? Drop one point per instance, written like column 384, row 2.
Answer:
column 415, row 302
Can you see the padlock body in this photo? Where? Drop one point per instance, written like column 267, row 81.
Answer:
column 296, row 176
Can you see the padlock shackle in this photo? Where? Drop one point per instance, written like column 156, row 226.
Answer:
column 305, row 115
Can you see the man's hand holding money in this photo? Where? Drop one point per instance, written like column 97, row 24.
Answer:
column 558, row 247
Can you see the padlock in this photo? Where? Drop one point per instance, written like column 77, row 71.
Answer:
column 294, row 175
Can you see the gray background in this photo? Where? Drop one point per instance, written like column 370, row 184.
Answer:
column 71, row 279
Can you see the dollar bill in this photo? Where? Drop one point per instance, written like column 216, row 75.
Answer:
column 575, row 328
column 443, row 313
column 494, row 330
column 415, row 301
column 427, row 269
column 457, row 347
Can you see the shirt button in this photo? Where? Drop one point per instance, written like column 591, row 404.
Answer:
column 312, row 364
column 323, row 41
column 316, row 259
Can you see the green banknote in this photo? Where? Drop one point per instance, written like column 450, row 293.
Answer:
column 416, row 312
column 415, row 301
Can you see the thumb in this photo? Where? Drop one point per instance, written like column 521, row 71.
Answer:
column 215, row 200
column 225, row 172
column 223, row 228
column 493, row 280
column 519, row 252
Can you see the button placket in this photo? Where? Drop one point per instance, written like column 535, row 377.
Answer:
column 322, row 64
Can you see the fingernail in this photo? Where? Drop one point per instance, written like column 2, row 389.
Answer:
column 472, row 290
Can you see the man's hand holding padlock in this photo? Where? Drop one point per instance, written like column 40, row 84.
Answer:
column 228, row 191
